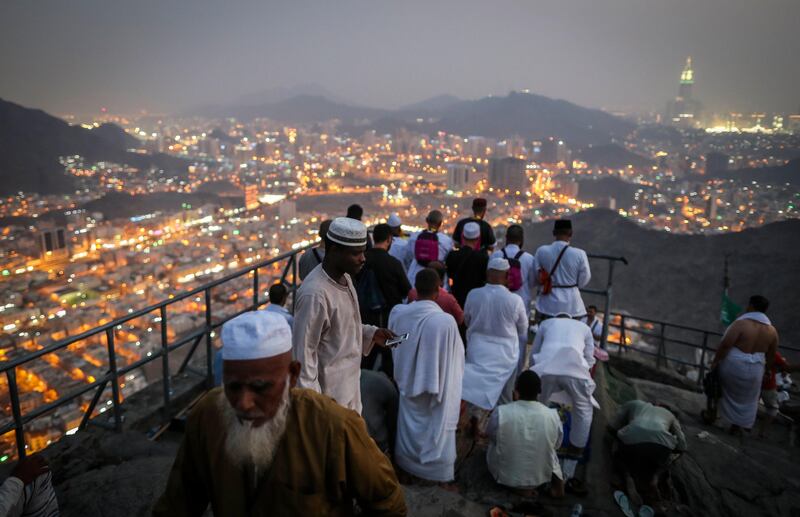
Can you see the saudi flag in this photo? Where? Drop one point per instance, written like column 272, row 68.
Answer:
column 729, row 310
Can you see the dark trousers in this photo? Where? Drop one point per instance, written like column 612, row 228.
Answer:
column 642, row 460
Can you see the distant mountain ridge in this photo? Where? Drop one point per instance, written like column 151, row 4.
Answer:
column 521, row 114
column 31, row 142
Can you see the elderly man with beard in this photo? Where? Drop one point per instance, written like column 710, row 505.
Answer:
column 263, row 447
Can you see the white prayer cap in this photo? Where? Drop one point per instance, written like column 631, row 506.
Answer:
column 394, row 221
column 255, row 335
column 498, row 264
column 471, row 230
column 348, row 232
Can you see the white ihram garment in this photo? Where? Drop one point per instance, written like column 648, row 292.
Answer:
column 428, row 368
column 741, row 376
column 496, row 323
column 562, row 355
column 572, row 270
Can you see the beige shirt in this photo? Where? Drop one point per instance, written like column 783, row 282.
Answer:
column 328, row 338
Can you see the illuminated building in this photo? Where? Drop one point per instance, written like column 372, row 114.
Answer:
column 684, row 110
column 53, row 245
column 251, row 201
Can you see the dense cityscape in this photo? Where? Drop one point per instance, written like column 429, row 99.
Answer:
column 251, row 190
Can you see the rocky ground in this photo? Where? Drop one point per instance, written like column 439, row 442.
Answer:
column 98, row 473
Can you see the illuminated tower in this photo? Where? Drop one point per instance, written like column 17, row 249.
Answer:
column 684, row 110
column 687, row 80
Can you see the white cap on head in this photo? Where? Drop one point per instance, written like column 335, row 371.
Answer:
column 255, row 335
column 348, row 232
column 471, row 230
column 498, row 264
column 394, row 221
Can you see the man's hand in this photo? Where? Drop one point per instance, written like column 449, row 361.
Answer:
column 29, row 469
column 381, row 335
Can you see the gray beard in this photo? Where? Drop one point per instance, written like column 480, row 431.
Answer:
column 248, row 446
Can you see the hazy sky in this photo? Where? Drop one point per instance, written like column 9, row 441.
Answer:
column 165, row 55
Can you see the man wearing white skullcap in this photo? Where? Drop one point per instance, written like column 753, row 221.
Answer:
column 467, row 265
column 256, row 447
column 496, row 325
column 329, row 338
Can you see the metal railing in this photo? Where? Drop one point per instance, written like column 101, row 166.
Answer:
column 114, row 372
column 664, row 333
column 608, row 292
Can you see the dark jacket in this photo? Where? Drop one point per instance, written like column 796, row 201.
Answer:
column 467, row 268
column 391, row 278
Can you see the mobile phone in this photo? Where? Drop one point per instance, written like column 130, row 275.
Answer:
column 396, row 340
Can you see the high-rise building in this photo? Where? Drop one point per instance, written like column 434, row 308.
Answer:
column 554, row 151
column 53, row 244
column 507, row 174
column 458, row 176
column 684, row 110
column 251, row 201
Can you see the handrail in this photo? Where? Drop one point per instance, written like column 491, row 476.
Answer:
column 114, row 372
column 661, row 355
column 6, row 365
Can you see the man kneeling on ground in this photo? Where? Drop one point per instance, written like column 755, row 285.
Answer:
column 647, row 435
column 263, row 447
column 524, row 437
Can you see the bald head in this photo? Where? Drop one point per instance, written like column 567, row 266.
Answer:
column 427, row 283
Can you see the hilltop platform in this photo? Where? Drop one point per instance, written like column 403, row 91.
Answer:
column 99, row 473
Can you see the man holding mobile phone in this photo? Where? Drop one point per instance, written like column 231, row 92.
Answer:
column 328, row 337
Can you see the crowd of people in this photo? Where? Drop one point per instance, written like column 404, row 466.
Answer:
column 396, row 345
column 400, row 344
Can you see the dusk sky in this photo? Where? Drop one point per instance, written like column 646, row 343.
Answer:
column 165, row 56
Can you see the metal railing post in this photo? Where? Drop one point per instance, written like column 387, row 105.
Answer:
column 112, row 367
column 622, row 339
column 165, row 358
column 662, row 346
column 255, row 289
column 209, row 347
column 702, row 371
column 607, row 312
column 19, row 431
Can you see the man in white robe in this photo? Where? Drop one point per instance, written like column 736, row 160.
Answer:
column 496, row 323
column 568, row 275
column 428, row 369
column 515, row 236
column 328, row 337
column 747, row 350
column 563, row 355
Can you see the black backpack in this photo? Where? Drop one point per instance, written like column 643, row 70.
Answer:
column 370, row 295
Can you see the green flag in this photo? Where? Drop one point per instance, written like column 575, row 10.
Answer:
column 729, row 310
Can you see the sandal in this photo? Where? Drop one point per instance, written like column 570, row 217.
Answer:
column 623, row 503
